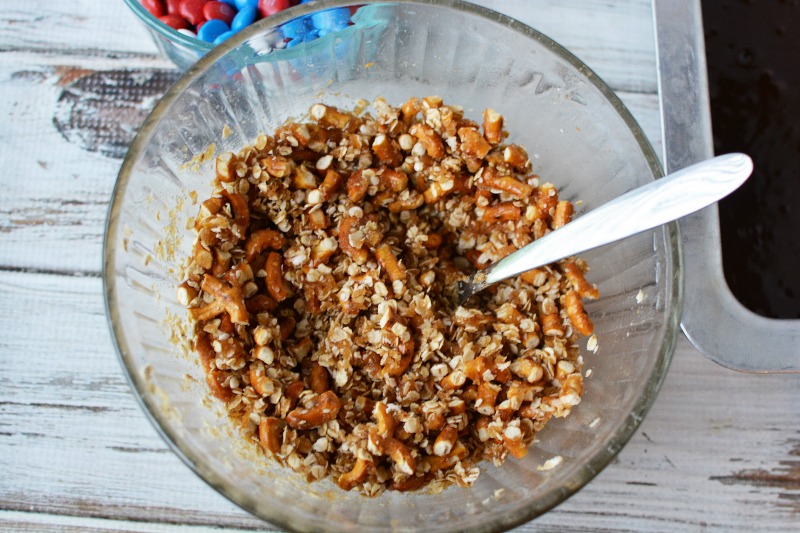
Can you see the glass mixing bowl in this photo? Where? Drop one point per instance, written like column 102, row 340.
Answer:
column 579, row 136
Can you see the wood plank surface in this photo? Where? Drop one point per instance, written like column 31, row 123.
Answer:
column 719, row 451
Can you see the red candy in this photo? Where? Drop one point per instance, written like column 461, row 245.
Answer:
column 155, row 7
column 175, row 22
column 270, row 7
column 173, row 7
column 192, row 10
column 219, row 10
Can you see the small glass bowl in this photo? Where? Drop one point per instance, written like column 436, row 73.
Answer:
column 181, row 49
column 579, row 136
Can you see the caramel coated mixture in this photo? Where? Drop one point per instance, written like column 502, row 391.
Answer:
column 321, row 291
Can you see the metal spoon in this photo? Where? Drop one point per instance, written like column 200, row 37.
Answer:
column 669, row 198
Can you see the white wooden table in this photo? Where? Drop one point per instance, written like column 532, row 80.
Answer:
column 719, row 451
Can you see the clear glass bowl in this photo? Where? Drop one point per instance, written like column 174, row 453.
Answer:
column 579, row 136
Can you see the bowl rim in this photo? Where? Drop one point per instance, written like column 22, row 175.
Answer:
column 673, row 249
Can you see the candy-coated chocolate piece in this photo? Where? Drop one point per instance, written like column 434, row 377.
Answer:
column 173, row 7
column 175, row 22
column 211, row 30
column 270, row 7
column 241, row 4
column 244, row 18
column 220, row 11
column 331, row 19
column 294, row 42
column 155, row 7
column 297, row 28
column 192, row 10
column 223, row 36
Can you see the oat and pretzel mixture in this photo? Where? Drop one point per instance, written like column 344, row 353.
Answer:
column 321, row 290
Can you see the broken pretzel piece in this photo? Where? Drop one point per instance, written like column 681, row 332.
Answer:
column 227, row 298
column 325, row 409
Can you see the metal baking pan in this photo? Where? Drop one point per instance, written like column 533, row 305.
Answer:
column 713, row 320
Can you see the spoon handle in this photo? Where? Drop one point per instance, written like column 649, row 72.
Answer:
column 664, row 200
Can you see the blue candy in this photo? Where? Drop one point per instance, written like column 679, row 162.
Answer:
column 294, row 42
column 296, row 28
column 316, row 25
column 230, row 2
column 211, row 30
column 223, row 36
column 331, row 19
column 244, row 18
column 241, row 4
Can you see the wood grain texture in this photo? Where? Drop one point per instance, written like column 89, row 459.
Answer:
column 719, row 451
column 84, row 409
column 37, row 522
column 79, row 28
